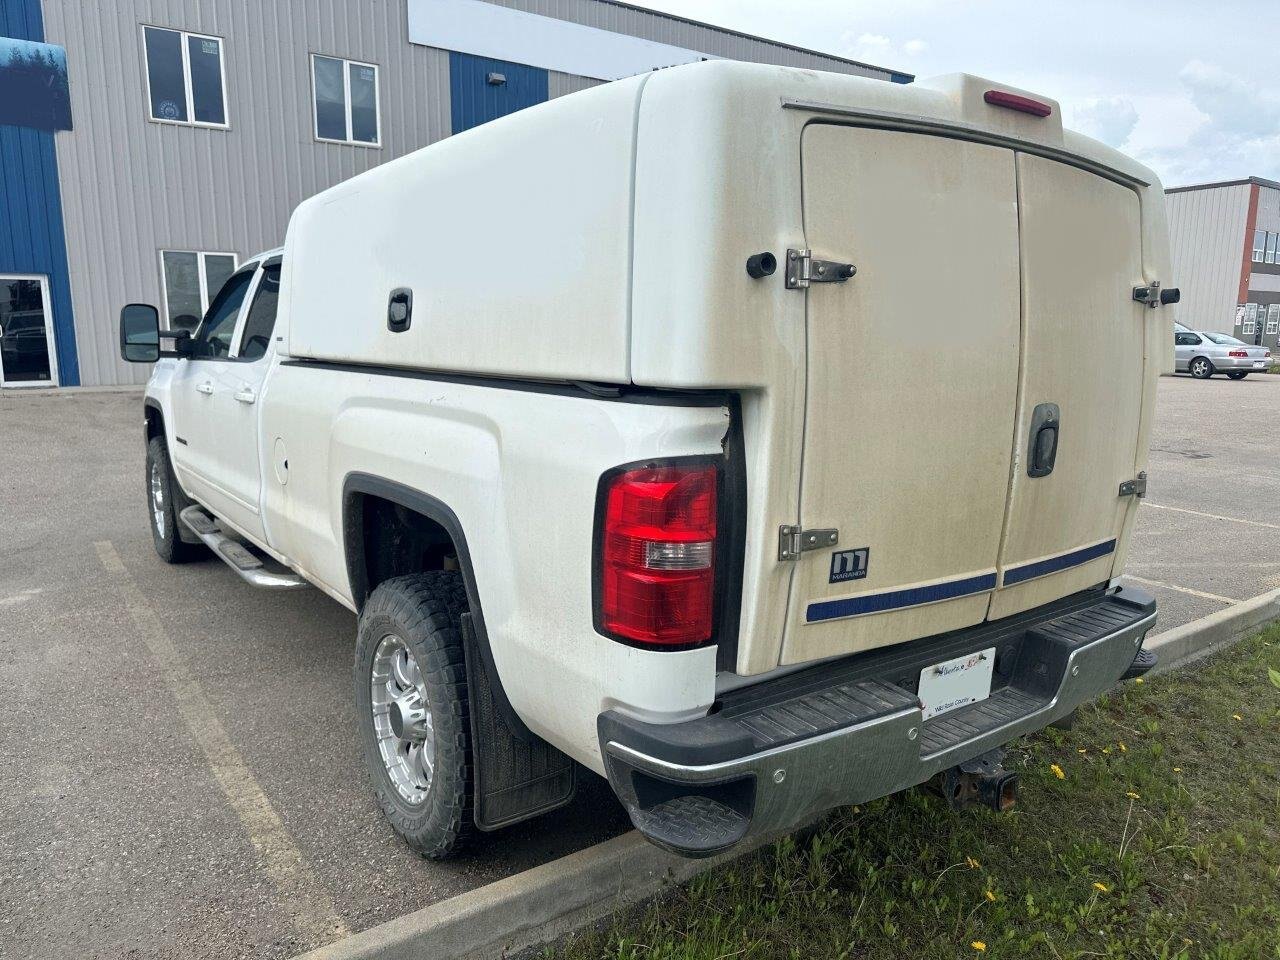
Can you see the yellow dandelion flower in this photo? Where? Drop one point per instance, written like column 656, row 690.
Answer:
column 1133, row 796
column 1057, row 771
column 979, row 946
column 1236, row 716
column 1123, row 748
column 991, row 897
column 1101, row 887
column 1137, row 680
column 1083, row 750
column 973, row 864
column 1177, row 769
column 1106, row 749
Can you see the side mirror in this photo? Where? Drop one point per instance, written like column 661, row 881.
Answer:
column 139, row 333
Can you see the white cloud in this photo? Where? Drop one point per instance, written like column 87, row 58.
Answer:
column 1109, row 119
column 880, row 49
column 913, row 48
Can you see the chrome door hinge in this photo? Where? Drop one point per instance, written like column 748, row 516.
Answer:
column 1154, row 297
column 1135, row 488
column 803, row 270
column 793, row 541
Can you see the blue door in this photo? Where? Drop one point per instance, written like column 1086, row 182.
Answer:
column 481, row 89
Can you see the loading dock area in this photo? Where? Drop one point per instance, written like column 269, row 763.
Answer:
column 182, row 779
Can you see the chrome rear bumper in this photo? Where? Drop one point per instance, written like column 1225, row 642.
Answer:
column 776, row 754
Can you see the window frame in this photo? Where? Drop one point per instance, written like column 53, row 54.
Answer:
column 1273, row 241
column 200, row 273
column 1259, row 245
column 1273, row 319
column 186, row 78
column 242, row 324
column 347, row 64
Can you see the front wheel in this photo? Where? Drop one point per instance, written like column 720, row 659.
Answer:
column 1201, row 368
column 162, row 507
column 412, row 705
column 1238, row 374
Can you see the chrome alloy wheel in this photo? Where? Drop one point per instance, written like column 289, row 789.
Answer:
column 402, row 719
column 157, row 500
column 1200, row 368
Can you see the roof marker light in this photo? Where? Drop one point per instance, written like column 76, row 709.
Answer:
column 1001, row 98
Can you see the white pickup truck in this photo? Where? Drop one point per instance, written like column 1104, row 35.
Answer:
column 764, row 440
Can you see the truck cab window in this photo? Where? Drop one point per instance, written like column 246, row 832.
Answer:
column 213, row 339
column 262, row 315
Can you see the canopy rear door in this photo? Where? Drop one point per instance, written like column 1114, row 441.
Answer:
column 1083, row 355
column 911, row 386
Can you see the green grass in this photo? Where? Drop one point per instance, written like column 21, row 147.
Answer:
column 1161, row 839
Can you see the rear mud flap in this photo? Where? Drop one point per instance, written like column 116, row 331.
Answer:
column 515, row 777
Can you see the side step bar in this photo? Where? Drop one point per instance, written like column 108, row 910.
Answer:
column 235, row 554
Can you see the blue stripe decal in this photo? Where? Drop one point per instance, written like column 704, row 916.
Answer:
column 1040, row 568
column 897, row 599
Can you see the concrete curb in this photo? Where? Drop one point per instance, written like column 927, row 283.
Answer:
column 1200, row 638
column 539, row 905
column 529, row 908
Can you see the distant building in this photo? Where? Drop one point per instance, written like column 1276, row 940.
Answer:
column 1226, row 257
column 147, row 147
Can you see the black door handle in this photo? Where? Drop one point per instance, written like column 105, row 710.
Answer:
column 1042, row 444
column 400, row 310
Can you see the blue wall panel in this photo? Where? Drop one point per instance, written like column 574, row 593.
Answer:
column 473, row 100
column 31, row 233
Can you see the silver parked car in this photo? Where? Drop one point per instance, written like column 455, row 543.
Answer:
column 1203, row 354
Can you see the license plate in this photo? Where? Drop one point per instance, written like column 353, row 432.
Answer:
column 957, row 683
column 1258, row 363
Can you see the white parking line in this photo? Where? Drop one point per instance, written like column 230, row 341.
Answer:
column 1174, row 586
column 1212, row 516
column 301, row 891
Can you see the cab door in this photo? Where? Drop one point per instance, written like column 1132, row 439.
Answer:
column 1082, row 363
column 912, row 381
column 236, row 403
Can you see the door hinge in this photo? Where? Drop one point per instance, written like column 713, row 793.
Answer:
column 1135, row 488
column 793, row 541
column 803, row 269
column 1153, row 296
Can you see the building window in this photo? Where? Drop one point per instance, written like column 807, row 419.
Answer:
column 1273, row 318
column 1259, row 242
column 190, row 279
column 185, row 79
column 346, row 100
column 1272, row 240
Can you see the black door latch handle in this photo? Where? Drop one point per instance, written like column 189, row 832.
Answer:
column 400, row 310
column 1042, row 445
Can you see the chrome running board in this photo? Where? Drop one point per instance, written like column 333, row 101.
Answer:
column 235, row 554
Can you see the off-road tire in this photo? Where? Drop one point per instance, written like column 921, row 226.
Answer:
column 169, row 543
column 1202, row 364
column 1237, row 374
column 424, row 610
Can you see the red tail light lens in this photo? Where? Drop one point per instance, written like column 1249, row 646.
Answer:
column 1237, row 353
column 1011, row 101
column 657, row 555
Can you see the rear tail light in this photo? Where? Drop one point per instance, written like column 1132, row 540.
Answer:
column 1238, row 353
column 656, row 555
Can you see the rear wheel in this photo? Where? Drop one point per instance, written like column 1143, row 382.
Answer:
column 162, row 507
column 1238, row 374
column 1201, row 368
column 413, row 711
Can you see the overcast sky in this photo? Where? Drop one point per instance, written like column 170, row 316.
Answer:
column 1190, row 87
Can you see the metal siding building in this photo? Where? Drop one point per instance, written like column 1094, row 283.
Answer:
column 1225, row 239
column 133, row 185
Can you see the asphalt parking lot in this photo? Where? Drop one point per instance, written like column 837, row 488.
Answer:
column 179, row 771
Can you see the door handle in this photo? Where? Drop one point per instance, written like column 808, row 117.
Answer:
column 205, row 388
column 1042, row 445
column 246, row 395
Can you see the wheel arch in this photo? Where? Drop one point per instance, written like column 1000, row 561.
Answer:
column 153, row 416
column 358, row 489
